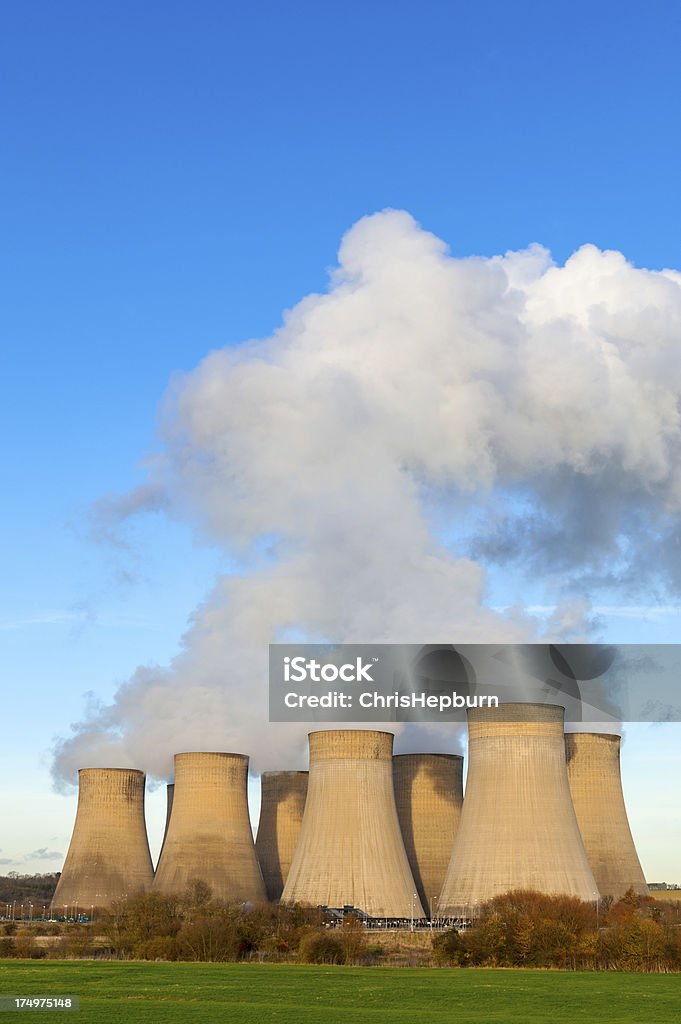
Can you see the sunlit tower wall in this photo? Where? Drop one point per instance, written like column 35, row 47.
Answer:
column 350, row 849
column 108, row 857
column 209, row 836
column 593, row 761
column 518, row 828
column 282, row 803
column 428, row 795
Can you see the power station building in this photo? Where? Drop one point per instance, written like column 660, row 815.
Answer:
column 108, row 858
column 593, row 762
column 392, row 836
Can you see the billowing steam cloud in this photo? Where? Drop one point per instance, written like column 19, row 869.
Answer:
column 425, row 417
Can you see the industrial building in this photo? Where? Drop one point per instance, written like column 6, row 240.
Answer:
column 392, row 836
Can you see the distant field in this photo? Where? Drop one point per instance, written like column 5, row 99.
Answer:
column 135, row 993
column 668, row 895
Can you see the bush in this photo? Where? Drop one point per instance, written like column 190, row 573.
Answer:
column 163, row 947
column 352, row 939
column 373, row 954
column 76, row 942
column 26, row 948
column 447, row 948
column 209, row 938
column 321, row 947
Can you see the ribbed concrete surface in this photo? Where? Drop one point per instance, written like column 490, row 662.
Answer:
column 596, row 786
column 428, row 795
column 108, row 857
column 170, row 790
column 350, row 849
column 282, row 803
column 209, row 836
column 518, row 828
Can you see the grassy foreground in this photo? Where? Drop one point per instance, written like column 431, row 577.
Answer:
column 114, row 992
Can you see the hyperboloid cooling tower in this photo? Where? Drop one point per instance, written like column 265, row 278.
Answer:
column 428, row 794
column 170, row 789
column 209, row 836
column 281, row 815
column 595, row 782
column 108, row 856
column 518, row 828
column 350, row 850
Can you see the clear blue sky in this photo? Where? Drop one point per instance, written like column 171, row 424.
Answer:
column 175, row 175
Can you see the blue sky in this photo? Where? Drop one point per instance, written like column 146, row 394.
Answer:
column 174, row 177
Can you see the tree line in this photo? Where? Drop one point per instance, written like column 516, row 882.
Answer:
column 528, row 929
column 17, row 887
column 518, row 929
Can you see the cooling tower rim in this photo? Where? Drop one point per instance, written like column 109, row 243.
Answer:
column 521, row 704
column 350, row 732
column 428, row 753
column 134, row 771
column 283, row 771
column 505, row 707
column 211, row 753
column 594, row 735
column 350, row 744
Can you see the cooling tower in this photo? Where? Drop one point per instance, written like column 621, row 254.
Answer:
column 170, row 789
column 281, row 815
column 108, row 856
column 350, row 850
column 428, row 794
column 593, row 761
column 209, row 836
column 518, row 828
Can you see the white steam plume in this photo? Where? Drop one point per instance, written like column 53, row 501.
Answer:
column 423, row 418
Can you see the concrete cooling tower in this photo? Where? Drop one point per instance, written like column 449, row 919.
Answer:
column 350, row 850
column 593, row 761
column 281, row 814
column 170, row 789
column 209, row 836
column 518, row 828
column 170, row 792
column 108, row 857
column 428, row 795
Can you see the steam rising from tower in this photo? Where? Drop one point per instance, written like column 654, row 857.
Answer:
column 442, row 384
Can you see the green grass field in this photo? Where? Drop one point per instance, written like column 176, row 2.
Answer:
column 257, row 994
